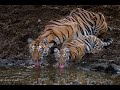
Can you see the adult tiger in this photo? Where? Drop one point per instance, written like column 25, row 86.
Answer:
column 79, row 22
column 77, row 48
column 51, row 36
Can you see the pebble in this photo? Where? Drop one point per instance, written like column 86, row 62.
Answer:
column 12, row 62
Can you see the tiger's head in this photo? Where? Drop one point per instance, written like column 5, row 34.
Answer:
column 62, row 56
column 38, row 49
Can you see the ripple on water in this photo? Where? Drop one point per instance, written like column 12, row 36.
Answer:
column 52, row 76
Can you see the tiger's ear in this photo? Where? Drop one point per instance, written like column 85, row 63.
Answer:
column 45, row 41
column 30, row 40
column 56, row 50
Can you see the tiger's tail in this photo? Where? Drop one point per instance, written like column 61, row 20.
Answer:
column 108, row 42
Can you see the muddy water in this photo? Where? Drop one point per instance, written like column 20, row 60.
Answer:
column 52, row 76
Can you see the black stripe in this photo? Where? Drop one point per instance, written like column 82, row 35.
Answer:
column 75, row 18
column 77, row 10
column 90, row 23
column 95, row 23
column 88, row 43
column 57, row 36
column 79, row 41
column 98, row 20
column 77, row 34
column 100, row 16
column 74, row 54
column 71, row 45
column 57, row 21
column 90, row 15
column 95, row 18
column 72, row 17
column 85, row 14
column 45, row 32
column 68, row 32
column 67, row 18
column 70, row 55
column 88, row 29
column 77, row 49
column 54, row 23
column 64, row 36
column 81, row 30
column 88, row 20
column 80, row 16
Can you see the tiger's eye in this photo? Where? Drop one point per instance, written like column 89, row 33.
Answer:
column 64, row 55
column 67, row 50
column 39, row 48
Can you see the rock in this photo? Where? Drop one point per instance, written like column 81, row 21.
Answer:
column 29, row 62
column 75, row 83
column 9, row 64
column 3, row 62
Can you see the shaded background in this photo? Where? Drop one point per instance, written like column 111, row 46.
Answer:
column 20, row 22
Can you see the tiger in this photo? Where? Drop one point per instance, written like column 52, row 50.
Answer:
column 79, row 22
column 75, row 49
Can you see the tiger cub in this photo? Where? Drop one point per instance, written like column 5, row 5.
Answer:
column 77, row 48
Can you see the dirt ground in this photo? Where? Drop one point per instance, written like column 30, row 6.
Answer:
column 20, row 22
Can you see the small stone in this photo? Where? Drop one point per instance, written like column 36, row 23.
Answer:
column 29, row 62
column 10, row 64
column 39, row 20
column 22, row 64
column 75, row 83
column 27, row 22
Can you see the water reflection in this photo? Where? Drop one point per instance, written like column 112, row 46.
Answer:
column 72, row 77
column 52, row 76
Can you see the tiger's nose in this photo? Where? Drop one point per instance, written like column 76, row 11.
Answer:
column 35, row 58
column 45, row 53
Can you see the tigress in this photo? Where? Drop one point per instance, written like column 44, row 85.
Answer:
column 77, row 48
column 79, row 22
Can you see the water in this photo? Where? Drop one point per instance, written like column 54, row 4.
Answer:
column 53, row 76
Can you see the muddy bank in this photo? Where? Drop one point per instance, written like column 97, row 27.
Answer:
column 18, row 23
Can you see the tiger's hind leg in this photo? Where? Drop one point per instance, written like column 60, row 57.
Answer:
column 99, row 44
